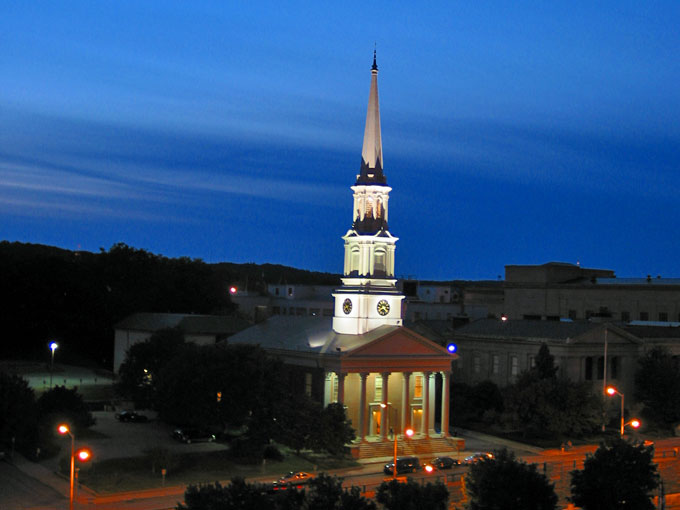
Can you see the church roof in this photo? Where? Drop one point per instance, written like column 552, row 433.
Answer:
column 189, row 323
column 371, row 172
column 387, row 345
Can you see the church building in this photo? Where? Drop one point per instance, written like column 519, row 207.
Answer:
column 388, row 377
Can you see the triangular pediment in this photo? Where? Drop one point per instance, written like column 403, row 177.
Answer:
column 596, row 336
column 397, row 343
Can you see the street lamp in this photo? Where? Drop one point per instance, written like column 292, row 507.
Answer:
column 83, row 455
column 635, row 423
column 53, row 347
column 408, row 432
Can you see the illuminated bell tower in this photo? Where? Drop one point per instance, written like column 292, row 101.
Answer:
column 369, row 297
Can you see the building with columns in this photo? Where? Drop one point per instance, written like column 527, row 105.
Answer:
column 388, row 377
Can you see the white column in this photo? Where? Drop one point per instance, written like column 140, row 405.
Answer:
column 384, row 410
column 362, row 408
column 425, row 425
column 445, row 404
column 433, row 382
column 328, row 390
column 341, row 387
column 405, row 401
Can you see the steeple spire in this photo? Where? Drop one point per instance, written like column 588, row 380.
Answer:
column 371, row 154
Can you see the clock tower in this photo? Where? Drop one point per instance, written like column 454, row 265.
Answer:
column 369, row 297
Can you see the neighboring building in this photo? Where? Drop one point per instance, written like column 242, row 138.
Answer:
column 386, row 375
column 556, row 290
column 199, row 329
column 499, row 350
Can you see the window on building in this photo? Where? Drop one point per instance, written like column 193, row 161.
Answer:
column 532, row 317
column 663, row 316
column 572, row 314
column 314, row 311
column 532, row 361
column 276, row 291
column 441, row 299
column 418, row 387
column 416, row 315
column 644, row 316
column 308, row 384
column 514, row 366
column 378, row 388
column 625, row 316
column 589, row 314
column 290, row 291
column 614, row 367
column 301, row 311
column 495, row 364
column 589, row 368
column 600, row 368
column 334, row 391
column 276, row 310
column 291, row 310
column 552, row 317
column 477, row 364
column 327, row 312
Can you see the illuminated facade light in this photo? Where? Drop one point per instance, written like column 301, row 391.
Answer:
column 452, row 348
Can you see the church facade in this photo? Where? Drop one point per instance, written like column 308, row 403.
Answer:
column 388, row 377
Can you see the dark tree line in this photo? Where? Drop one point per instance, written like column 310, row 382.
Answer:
column 76, row 298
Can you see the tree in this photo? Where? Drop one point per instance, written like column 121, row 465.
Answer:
column 322, row 493
column 138, row 375
column 504, row 482
column 335, row 430
column 619, row 475
column 18, row 414
column 61, row 404
column 395, row 495
column 542, row 403
column 657, row 386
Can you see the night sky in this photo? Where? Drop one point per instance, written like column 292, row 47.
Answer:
column 513, row 132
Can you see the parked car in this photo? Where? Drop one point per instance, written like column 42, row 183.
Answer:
column 131, row 416
column 188, row 435
column 292, row 479
column 476, row 457
column 441, row 463
column 404, row 465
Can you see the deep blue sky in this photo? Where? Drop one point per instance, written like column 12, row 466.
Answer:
column 513, row 132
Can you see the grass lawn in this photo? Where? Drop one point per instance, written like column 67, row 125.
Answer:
column 127, row 474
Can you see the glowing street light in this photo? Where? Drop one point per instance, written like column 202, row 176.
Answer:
column 53, row 347
column 408, row 432
column 611, row 391
column 83, row 455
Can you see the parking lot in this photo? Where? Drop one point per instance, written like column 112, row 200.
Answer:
column 132, row 439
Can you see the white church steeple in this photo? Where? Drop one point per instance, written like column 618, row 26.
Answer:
column 369, row 297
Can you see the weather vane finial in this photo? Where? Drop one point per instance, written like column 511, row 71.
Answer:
column 375, row 64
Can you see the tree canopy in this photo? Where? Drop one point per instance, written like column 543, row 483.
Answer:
column 18, row 413
column 620, row 475
column 657, row 386
column 322, row 493
column 540, row 402
column 504, row 482
column 396, row 495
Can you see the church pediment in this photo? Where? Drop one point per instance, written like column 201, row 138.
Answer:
column 400, row 342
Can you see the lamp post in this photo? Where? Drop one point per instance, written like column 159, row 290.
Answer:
column 83, row 454
column 408, row 432
column 635, row 423
column 53, row 347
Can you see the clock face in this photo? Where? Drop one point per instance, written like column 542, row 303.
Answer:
column 383, row 307
column 347, row 306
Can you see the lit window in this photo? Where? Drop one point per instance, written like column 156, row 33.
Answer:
column 308, row 384
column 477, row 365
column 495, row 364
column 378, row 388
column 418, row 387
column 532, row 361
column 514, row 366
column 334, row 391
